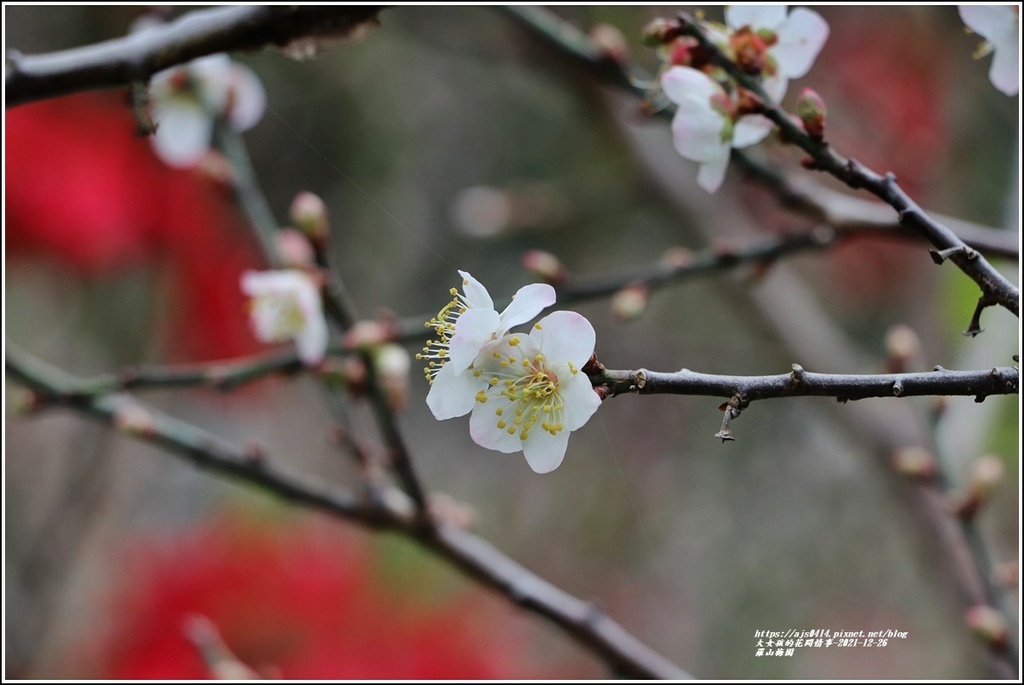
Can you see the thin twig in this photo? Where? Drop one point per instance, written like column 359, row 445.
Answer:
column 581, row 620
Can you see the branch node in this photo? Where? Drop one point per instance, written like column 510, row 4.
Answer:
column 639, row 380
column 939, row 368
column 978, row 399
column 797, row 375
column 975, row 326
column 897, row 388
column 732, row 410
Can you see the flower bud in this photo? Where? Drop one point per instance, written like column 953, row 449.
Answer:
column 309, row 214
column 914, row 462
column 393, row 362
column 131, row 419
column 294, row 248
column 545, row 265
column 445, row 509
column 366, row 334
column 811, row 110
column 986, row 473
column 630, row 303
column 988, row 624
column 902, row 346
column 676, row 258
column 659, row 31
column 611, row 42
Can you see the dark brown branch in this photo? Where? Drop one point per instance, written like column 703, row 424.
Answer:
column 800, row 383
column 394, row 511
column 136, row 57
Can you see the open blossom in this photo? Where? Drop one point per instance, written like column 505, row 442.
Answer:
column 534, row 393
column 464, row 327
column 286, row 305
column 999, row 25
column 186, row 100
column 784, row 45
column 761, row 39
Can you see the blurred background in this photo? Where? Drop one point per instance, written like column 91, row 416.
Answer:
column 451, row 139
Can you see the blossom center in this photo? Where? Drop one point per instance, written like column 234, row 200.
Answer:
column 436, row 351
column 280, row 314
column 531, row 389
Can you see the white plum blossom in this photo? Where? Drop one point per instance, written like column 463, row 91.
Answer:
column 789, row 42
column 464, row 328
column 534, row 393
column 999, row 25
column 285, row 305
column 186, row 100
column 708, row 122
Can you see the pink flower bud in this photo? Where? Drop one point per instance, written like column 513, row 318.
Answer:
column 309, row 214
column 131, row 419
column 903, row 346
column 545, row 265
column 659, row 31
column 914, row 462
column 988, row 624
column 811, row 110
column 393, row 362
column 294, row 248
column 366, row 334
column 986, row 473
column 630, row 303
column 611, row 42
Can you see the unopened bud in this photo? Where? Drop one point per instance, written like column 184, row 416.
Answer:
column 659, row 31
column 294, row 248
column 631, row 302
column 986, row 473
column 914, row 462
column 445, row 509
column 1007, row 575
column 902, row 346
column 393, row 362
column 27, row 401
column 677, row 258
column 366, row 334
column 309, row 214
column 348, row 373
column 545, row 265
column 131, row 419
column 611, row 42
column 988, row 624
column 811, row 110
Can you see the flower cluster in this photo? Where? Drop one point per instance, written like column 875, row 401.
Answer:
column 188, row 100
column 525, row 391
column 712, row 116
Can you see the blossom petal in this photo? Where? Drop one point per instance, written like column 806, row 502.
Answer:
column 183, row 132
column 475, row 293
column 544, row 451
column 579, row 401
column 453, row 395
column 311, row 342
column 711, row 174
column 988, row 21
column 775, row 87
column 248, row 98
column 801, row 38
column 528, row 302
column 751, row 129
column 483, row 426
column 1005, row 70
column 755, row 16
column 684, row 83
column 564, row 337
column 474, row 329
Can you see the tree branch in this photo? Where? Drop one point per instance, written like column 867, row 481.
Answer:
column 995, row 288
column 581, row 620
column 138, row 56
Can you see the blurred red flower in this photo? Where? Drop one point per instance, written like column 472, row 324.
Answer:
column 293, row 602
column 82, row 190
